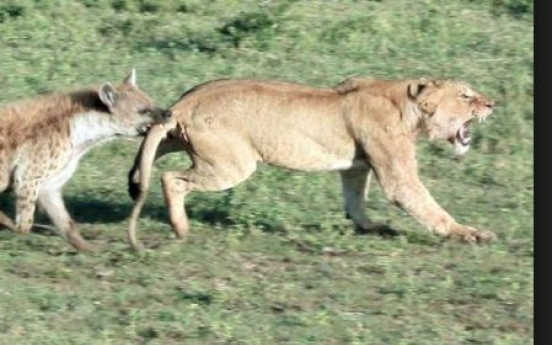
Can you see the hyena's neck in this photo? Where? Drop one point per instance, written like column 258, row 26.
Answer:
column 90, row 129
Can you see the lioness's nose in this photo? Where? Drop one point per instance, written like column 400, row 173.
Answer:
column 490, row 104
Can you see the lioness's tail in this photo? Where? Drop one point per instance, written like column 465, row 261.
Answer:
column 147, row 156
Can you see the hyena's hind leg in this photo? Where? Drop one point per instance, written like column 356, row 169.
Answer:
column 4, row 219
column 25, row 190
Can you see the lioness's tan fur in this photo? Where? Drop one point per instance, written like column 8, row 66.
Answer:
column 42, row 140
column 229, row 126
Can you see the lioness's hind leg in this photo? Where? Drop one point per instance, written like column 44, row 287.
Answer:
column 203, row 177
column 355, row 183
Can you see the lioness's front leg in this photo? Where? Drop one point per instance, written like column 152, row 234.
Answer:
column 168, row 145
column 397, row 173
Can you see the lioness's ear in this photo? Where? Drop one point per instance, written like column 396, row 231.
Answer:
column 416, row 88
column 108, row 95
column 131, row 78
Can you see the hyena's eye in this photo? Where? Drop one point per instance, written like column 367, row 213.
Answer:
column 144, row 111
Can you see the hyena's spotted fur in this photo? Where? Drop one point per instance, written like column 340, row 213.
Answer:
column 42, row 140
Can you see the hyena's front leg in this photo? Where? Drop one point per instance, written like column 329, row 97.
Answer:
column 398, row 176
column 51, row 201
column 25, row 206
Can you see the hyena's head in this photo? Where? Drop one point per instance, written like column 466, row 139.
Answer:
column 130, row 107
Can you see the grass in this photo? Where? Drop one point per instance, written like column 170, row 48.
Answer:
column 273, row 261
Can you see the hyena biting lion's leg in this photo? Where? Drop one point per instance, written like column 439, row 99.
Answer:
column 43, row 138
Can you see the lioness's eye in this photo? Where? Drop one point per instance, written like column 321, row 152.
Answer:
column 465, row 96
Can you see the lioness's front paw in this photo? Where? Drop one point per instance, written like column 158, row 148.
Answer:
column 469, row 234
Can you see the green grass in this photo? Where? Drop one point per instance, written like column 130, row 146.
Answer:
column 273, row 261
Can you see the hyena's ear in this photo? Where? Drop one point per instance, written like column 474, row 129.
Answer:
column 131, row 78
column 108, row 95
column 415, row 89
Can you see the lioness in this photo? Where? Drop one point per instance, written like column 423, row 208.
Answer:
column 229, row 126
column 42, row 140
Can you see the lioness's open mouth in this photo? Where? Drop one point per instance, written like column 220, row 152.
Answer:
column 463, row 134
column 462, row 139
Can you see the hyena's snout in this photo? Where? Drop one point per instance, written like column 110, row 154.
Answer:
column 161, row 115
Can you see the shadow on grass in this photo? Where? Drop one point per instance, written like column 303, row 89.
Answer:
column 96, row 210
column 99, row 211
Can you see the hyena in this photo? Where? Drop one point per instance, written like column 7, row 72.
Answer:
column 42, row 140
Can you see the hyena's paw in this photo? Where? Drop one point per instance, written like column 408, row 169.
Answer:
column 23, row 228
column 22, row 231
column 469, row 234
